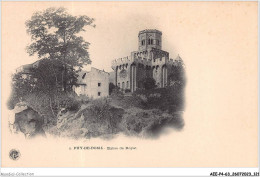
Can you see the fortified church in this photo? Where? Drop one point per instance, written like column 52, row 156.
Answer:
column 149, row 61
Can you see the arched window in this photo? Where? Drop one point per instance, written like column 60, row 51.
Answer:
column 127, row 84
column 143, row 42
column 149, row 41
column 157, row 42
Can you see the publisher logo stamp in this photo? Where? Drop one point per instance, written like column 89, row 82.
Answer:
column 14, row 154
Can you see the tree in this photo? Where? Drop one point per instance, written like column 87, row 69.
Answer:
column 22, row 84
column 48, row 76
column 177, row 74
column 54, row 33
column 149, row 83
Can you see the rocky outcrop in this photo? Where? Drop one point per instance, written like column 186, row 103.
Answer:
column 106, row 121
column 89, row 121
column 26, row 120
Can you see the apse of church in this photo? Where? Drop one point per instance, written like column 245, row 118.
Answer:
column 148, row 62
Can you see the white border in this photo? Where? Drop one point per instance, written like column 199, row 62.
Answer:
column 124, row 171
column 127, row 171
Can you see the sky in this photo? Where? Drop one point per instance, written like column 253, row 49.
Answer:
column 188, row 29
column 115, row 35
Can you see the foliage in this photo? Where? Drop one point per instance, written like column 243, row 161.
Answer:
column 149, row 83
column 107, row 117
column 42, row 103
column 117, row 93
column 67, row 101
column 127, row 90
column 169, row 99
column 22, row 84
column 111, row 87
column 103, row 114
column 99, row 108
column 127, row 102
column 177, row 74
column 61, row 53
column 54, row 33
column 101, row 119
column 48, row 105
column 83, row 99
column 39, row 90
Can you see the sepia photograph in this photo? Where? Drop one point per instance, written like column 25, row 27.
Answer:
column 129, row 84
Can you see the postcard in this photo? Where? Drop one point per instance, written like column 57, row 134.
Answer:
column 129, row 84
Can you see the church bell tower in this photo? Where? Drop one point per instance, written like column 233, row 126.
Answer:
column 148, row 39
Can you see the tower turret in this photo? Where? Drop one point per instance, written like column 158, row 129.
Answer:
column 149, row 38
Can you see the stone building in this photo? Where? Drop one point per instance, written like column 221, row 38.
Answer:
column 94, row 84
column 149, row 61
column 26, row 70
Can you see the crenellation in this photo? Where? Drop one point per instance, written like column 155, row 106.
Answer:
column 150, row 31
column 148, row 61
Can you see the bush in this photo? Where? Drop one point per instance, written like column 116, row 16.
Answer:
column 149, row 83
column 49, row 105
column 67, row 101
column 126, row 102
column 102, row 118
column 169, row 99
column 99, row 108
column 83, row 99
column 117, row 93
column 127, row 90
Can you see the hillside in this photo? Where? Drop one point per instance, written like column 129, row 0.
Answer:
column 139, row 115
